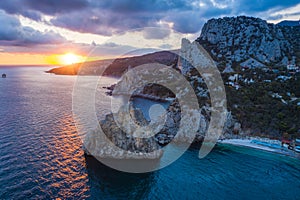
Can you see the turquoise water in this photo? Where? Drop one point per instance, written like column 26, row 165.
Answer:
column 41, row 155
column 145, row 106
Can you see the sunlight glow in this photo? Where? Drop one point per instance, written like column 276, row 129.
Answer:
column 70, row 58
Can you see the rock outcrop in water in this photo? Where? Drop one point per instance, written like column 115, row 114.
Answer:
column 124, row 142
column 118, row 143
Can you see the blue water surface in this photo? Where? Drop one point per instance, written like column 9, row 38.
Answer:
column 41, row 155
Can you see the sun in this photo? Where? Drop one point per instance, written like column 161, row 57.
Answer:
column 70, row 58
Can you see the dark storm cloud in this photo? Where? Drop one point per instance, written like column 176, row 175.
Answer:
column 34, row 8
column 107, row 17
column 51, row 7
column 12, row 33
column 129, row 6
column 19, row 7
column 102, row 22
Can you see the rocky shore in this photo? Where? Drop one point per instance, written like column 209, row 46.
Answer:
column 126, row 139
column 264, row 144
column 112, row 141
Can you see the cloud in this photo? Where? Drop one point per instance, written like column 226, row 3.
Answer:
column 106, row 22
column 14, row 34
column 82, row 49
column 186, row 22
column 108, row 17
column 255, row 6
column 109, row 50
column 102, row 23
column 110, row 44
column 155, row 33
column 166, row 46
column 104, row 17
column 137, row 6
column 52, row 7
column 34, row 9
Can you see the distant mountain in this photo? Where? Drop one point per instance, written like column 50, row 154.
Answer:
column 116, row 67
column 87, row 68
column 289, row 23
column 121, row 65
column 249, row 41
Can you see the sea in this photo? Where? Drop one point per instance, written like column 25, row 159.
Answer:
column 41, row 155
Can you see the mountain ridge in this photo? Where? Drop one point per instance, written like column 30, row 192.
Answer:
column 242, row 40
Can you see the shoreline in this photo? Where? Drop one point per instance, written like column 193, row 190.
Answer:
column 263, row 144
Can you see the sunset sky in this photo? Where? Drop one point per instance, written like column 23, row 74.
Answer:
column 62, row 32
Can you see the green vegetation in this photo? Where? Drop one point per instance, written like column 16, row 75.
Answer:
column 269, row 109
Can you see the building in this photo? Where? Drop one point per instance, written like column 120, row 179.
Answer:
column 291, row 67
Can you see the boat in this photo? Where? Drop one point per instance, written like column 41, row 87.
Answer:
column 3, row 75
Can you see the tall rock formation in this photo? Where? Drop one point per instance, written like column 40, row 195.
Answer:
column 234, row 41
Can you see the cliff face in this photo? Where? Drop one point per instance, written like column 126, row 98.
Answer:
column 250, row 41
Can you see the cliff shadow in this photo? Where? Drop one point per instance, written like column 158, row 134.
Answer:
column 110, row 183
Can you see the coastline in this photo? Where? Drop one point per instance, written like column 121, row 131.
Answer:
column 263, row 144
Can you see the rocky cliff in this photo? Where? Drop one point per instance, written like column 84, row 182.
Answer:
column 235, row 41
